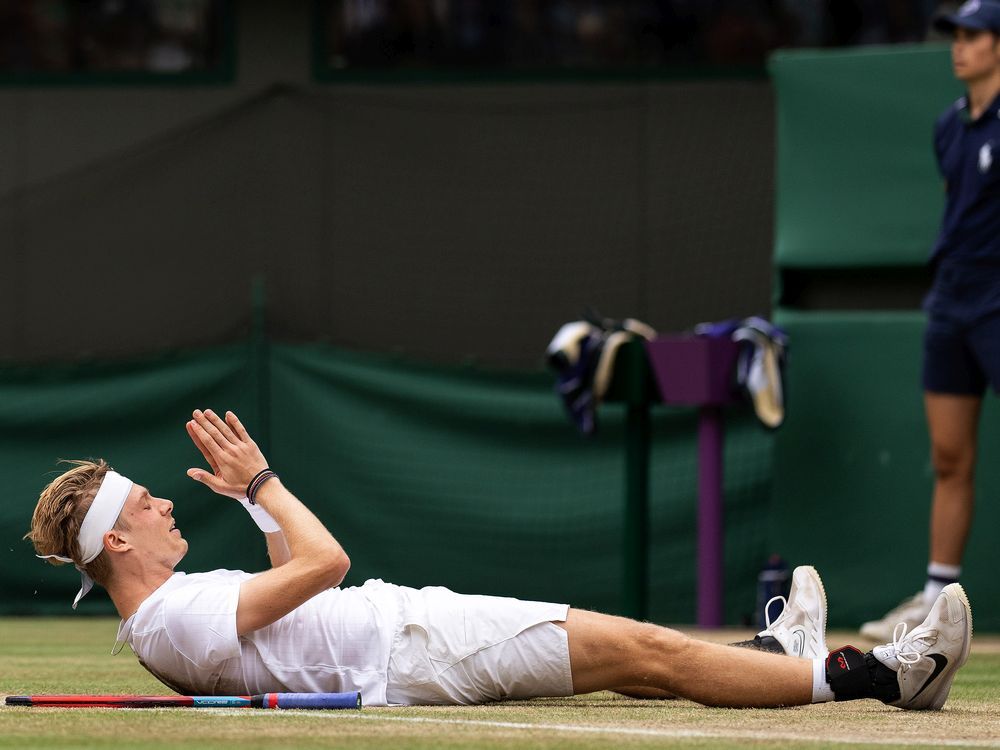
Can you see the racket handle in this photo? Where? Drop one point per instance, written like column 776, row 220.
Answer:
column 308, row 700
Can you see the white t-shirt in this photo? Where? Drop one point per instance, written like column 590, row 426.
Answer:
column 338, row 641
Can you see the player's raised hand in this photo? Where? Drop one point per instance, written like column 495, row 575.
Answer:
column 234, row 457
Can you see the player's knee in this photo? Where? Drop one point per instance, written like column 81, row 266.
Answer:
column 656, row 642
column 953, row 463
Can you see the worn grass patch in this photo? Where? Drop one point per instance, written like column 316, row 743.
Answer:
column 72, row 655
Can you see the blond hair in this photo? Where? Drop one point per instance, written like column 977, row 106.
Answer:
column 59, row 514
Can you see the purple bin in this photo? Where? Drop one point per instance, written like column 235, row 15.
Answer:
column 694, row 370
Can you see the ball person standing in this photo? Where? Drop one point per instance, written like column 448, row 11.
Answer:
column 962, row 339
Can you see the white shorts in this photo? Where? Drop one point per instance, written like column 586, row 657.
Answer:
column 456, row 649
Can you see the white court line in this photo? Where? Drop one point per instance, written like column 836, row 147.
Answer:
column 679, row 733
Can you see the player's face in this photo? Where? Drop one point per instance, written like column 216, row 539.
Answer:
column 151, row 528
column 974, row 54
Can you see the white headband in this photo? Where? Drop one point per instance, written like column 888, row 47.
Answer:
column 100, row 519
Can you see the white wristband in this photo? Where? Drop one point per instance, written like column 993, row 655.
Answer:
column 265, row 522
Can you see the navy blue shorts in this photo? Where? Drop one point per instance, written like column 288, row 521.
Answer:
column 962, row 339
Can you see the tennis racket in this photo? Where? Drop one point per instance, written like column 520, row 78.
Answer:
column 265, row 700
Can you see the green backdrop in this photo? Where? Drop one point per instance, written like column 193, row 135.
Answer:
column 856, row 180
column 427, row 475
column 852, row 473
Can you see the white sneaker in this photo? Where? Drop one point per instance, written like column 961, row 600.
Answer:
column 911, row 611
column 800, row 629
column 926, row 659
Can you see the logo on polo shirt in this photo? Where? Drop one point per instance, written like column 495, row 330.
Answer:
column 969, row 8
column 986, row 157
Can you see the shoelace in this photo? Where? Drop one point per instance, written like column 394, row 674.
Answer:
column 767, row 610
column 910, row 656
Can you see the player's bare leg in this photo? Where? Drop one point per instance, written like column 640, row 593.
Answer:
column 952, row 421
column 799, row 630
column 608, row 652
column 915, row 671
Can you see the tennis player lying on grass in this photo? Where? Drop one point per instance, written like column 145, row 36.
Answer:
column 290, row 629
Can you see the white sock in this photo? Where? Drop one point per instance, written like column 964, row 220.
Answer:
column 939, row 575
column 821, row 688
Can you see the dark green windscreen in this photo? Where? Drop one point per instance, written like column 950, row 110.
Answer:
column 427, row 475
column 852, row 472
column 857, row 183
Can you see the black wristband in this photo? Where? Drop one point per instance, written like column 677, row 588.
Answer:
column 255, row 483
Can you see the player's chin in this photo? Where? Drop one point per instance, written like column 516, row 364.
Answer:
column 182, row 549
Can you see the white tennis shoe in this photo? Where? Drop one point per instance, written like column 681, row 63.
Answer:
column 911, row 611
column 800, row 629
column 926, row 658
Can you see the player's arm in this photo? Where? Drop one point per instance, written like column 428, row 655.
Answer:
column 277, row 548
column 316, row 561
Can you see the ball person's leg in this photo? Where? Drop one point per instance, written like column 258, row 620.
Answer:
column 952, row 421
column 608, row 652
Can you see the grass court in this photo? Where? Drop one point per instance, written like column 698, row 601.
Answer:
column 72, row 655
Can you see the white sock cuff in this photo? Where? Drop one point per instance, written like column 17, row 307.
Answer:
column 943, row 570
column 822, row 693
column 932, row 590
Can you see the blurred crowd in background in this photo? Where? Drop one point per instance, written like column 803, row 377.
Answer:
column 170, row 36
column 608, row 33
column 67, row 36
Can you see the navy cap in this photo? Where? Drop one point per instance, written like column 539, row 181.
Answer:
column 983, row 15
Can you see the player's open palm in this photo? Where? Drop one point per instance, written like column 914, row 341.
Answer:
column 234, row 457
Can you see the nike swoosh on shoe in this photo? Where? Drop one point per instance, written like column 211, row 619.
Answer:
column 798, row 644
column 940, row 662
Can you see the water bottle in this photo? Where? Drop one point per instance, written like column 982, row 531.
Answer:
column 772, row 581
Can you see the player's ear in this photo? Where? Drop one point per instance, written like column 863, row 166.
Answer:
column 114, row 541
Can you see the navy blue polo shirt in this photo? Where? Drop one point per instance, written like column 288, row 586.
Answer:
column 968, row 154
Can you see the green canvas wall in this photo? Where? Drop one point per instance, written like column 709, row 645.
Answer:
column 856, row 180
column 427, row 475
column 852, row 473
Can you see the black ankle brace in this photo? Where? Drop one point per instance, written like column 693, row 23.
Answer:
column 847, row 674
column 885, row 683
column 852, row 675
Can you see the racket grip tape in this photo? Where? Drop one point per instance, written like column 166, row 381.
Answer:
column 308, row 700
